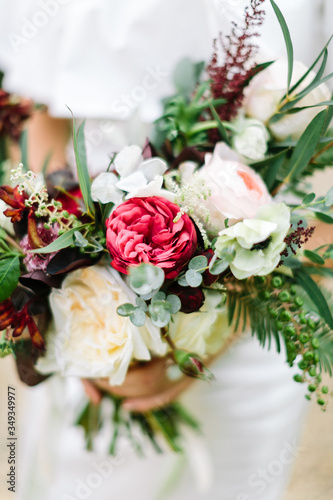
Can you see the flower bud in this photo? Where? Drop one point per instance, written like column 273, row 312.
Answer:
column 191, row 365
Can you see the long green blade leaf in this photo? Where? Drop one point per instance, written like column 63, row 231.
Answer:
column 220, row 125
column 82, row 167
column 64, row 241
column 287, row 39
column 315, row 294
column 306, row 146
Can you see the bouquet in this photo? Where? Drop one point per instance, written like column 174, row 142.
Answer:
column 180, row 244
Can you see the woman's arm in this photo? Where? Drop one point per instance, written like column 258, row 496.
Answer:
column 46, row 136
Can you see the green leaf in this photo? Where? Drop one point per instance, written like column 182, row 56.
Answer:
column 9, row 276
column 329, row 198
column 220, row 126
column 219, row 267
column 323, row 217
column 182, row 281
column 145, row 278
column 141, row 303
column 198, row 263
column 308, row 198
column 175, row 303
column 193, row 278
column 64, row 241
column 138, row 317
column 158, row 296
column 79, row 240
column 287, row 39
column 306, row 147
column 315, row 295
column 82, row 167
column 314, row 257
column 125, row 309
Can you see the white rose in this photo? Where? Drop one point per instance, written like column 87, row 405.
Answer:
column 203, row 332
column 250, row 139
column 236, row 190
column 258, row 242
column 88, row 338
column 5, row 221
column 265, row 91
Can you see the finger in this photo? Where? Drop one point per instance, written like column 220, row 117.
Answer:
column 93, row 393
column 143, row 404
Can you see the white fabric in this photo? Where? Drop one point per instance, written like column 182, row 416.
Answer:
column 251, row 418
column 89, row 54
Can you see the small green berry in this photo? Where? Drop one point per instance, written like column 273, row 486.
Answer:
column 284, row 296
column 315, row 343
column 312, row 371
column 304, row 338
column 316, row 357
column 289, row 330
column 285, row 315
column 324, row 389
column 319, row 379
column 311, row 323
column 308, row 356
column 308, row 397
column 65, row 214
column 265, row 295
column 302, row 318
column 301, row 365
column 321, row 401
column 47, row 226
column 277, row 282
column 293, row 290
column 298, row 378
column 298, row 301
column 290, row 346
column 260, row 279
column 312, row 388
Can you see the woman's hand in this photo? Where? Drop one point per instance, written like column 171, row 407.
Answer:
column 146, row 386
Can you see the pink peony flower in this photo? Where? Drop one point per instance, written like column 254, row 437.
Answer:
column 237, row 191
column 143, row 230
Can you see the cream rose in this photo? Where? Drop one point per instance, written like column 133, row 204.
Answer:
column 88, row 338
column 236, row 191
column 250, row 139
column 265, row 91
column 203, row 332
column 5, row 221
column 258, row 242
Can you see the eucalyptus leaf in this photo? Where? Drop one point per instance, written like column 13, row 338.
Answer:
column 314, row 257
column 193, row 278
column 329, row 198
column 146, row 278
column 198, row 263
column 175, row 303
column 141, row 303
column 308, row 199
column 138, row 317
column 125, row 309
column 158, row 296
column 219, row 267
column 182, row 281
column 79, row 240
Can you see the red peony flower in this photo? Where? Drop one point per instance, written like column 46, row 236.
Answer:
column 143, row 230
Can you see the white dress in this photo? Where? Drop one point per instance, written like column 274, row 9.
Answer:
column 111, row 62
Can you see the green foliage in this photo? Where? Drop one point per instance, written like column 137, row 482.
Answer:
column 82, row 167
column 287, row 39
column 9, row 275
column 63, row 241
column 146, row 279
